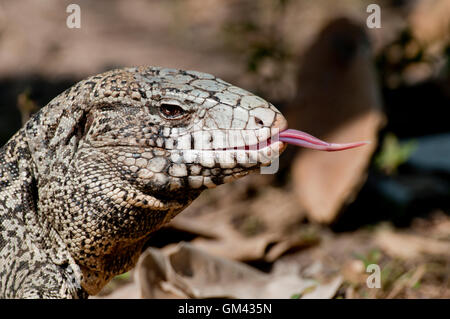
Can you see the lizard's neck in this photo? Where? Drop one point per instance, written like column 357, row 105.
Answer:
column 124, row 259
column 29, row 245
column 19, row 192
column 121, row 256
column 110, row 240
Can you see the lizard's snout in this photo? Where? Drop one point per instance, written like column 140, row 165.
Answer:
column 279, row 125
column 279, row 122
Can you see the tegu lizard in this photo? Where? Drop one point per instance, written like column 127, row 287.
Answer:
column 110, row 160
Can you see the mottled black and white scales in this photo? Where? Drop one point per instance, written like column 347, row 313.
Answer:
column 110, row 160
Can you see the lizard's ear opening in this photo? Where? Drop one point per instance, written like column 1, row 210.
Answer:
column 81, row 129
column 85, row 124
column 87, row 121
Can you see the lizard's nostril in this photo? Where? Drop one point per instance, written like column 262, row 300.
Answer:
column 258, row 121
column 279, row 123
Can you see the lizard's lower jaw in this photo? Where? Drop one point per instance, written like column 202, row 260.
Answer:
column 278, row 147
column 280, row 124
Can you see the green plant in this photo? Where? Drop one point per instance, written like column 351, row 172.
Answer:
column 393, row 154
column 372, row 257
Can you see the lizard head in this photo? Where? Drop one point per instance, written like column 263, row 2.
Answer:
column 132, row 147
column 121, row 153
column 172, row 133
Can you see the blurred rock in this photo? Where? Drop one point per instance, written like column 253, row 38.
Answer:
column 339, row 101
column 397, row 198
column 424, row 182
column 421, row 185
column 432, row 154
column 425, row 174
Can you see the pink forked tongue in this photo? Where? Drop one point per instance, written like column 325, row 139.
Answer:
column 303, row 139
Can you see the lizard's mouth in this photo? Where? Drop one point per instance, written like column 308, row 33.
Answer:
column 250, row 147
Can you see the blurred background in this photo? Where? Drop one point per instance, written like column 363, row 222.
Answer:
column 311, row 230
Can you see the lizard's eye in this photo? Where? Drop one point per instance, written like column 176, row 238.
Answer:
column 171, row 111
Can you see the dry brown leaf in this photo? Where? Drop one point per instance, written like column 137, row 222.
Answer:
column 338, row 100
column 248, row 249
column 409, row 246
column 188, row 271
column 325, row 182
column 192, row 226
column 128, row 291
column 324, row 291
column 257, row 229
column 430, row 21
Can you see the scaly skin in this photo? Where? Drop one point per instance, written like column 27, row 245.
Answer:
column 106, row 163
